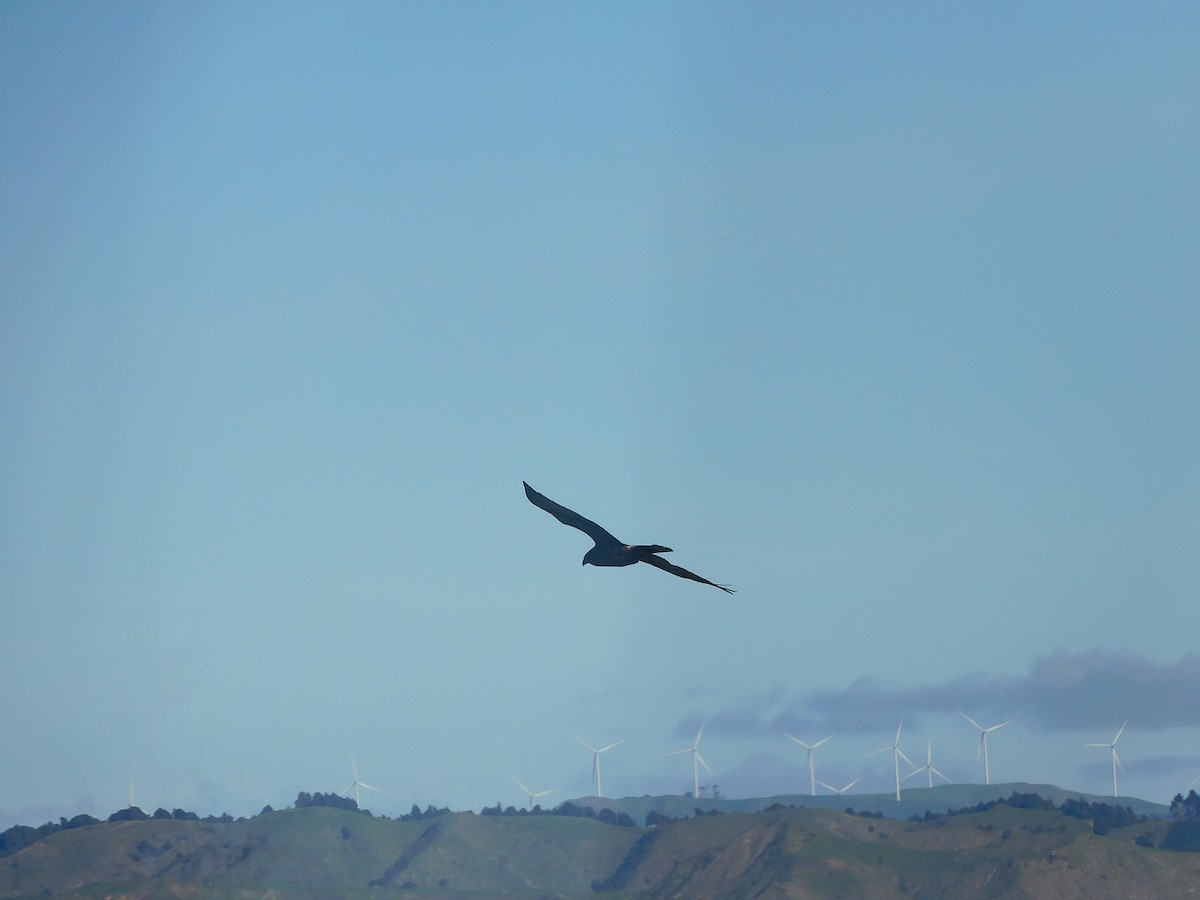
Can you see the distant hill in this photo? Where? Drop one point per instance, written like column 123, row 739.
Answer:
column 324, row 852
column 913, row 801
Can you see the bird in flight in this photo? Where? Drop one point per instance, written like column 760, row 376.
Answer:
column 608, row 550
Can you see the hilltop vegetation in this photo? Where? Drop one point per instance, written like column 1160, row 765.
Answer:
column 1024, row 846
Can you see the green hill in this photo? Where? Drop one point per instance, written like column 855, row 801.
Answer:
column 913, row 801
column 322, row 852
column 319, row 852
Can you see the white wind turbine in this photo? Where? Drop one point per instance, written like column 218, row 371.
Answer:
column 356, row 784
column 928, row 767
column 840, row 791
column 897, row 755
column 1116, row 763
column 596, row 759
column 983, row 733
column 533, row 795
column 697, row 761
column 812, row 778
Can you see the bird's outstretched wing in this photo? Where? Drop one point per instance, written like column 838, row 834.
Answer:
column 659, row 562
column 570, row 517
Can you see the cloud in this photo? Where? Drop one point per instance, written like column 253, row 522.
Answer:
column 1070, row 691
column 1062, row 692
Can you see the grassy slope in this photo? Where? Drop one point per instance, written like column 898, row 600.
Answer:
column 813, row 853
column 913, row 801
column 322, row 852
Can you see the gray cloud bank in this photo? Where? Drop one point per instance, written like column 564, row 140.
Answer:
column 1062, row 692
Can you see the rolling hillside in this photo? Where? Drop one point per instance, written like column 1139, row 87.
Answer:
column 780, row 852
column 913, row 801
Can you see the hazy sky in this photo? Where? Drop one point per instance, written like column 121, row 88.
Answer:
column 887, row 317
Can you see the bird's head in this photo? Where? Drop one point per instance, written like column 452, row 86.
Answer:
column 589, row 557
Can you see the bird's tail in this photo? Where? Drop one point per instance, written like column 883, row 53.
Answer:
column 650, row 548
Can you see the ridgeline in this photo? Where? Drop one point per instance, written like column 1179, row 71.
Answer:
column 1022, row 845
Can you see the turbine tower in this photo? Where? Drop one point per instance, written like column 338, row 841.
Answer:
column 928, row 767
column 1116, row 763
column 596, row 760
column 983, row 733
column 897, row 755
column 697, row 761
column 356, row 784
column 840, row 791
column 533, row 795
column 812, row 778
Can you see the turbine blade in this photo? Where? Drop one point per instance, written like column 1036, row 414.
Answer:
column 698, row 735
column 702, row 762
column 969, row 719
column 820, row 742
column 586, row 744
column 610, row 746
column 363, row 784
column 1001, row 725
column 1121, row 732
column 522, row 787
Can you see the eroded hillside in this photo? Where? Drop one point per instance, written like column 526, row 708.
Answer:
column 777, row 853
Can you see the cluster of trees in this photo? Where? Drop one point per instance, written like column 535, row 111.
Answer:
column 431, row 812
column 1184, row 833
column 336, row 801
column 134, row 814
column 607, row 816
column 1186, row 808
column 20, row 836
column 1103, row 816
column 304, row 800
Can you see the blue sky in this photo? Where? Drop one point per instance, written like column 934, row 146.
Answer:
column 886, row 317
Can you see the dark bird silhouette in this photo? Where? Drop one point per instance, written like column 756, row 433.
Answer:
column 608, row 550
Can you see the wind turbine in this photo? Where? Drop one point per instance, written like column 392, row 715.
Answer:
column 928, row 767
column 697, row 761
column 1116, row 763
column 533, row 795
column 897, row 755
column 983, row 733
column 356, row 784
column 840, row 791
column 596, row 759
column 812, row 778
